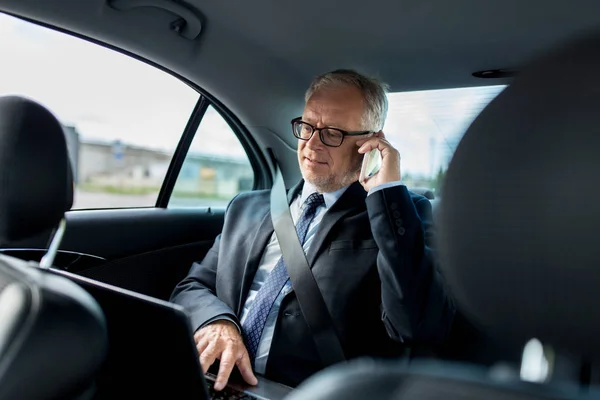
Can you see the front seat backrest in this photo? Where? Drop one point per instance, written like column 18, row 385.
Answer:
column 53, row 335
column 519, row 239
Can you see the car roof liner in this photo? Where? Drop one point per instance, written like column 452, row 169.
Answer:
column 188, row 23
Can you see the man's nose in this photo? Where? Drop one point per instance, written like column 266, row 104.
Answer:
column 315, row 141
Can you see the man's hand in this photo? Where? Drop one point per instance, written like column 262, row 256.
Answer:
column 222, row 340
column 390, row 164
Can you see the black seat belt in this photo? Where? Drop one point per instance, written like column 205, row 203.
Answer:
column 305, row 286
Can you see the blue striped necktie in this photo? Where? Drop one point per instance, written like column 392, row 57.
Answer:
column 267, row 294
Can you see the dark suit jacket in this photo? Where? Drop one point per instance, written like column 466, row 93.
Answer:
column 371, row 258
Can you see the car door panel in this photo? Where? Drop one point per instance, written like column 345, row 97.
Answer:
column 154, row 273
column 67, row 260
column 123, row 232
column 147, row 250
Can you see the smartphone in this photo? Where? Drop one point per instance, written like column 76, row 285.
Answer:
column 371, row 164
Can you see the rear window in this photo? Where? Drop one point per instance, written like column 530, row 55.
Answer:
column 426, row 126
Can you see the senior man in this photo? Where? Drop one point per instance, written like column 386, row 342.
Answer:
column 367, row 243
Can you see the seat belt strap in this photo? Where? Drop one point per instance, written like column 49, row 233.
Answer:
column 305, row 286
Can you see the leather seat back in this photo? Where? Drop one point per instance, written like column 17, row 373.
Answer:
column 518, row 238
column 52, row 335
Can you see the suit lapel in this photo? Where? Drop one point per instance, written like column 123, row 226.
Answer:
column 352, row 200
column 261, row 239
column 257, row 248
column 294, row 191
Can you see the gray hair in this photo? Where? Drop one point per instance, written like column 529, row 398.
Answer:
column 373, row 90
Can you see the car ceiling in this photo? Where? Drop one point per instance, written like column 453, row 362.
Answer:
column 258, row 56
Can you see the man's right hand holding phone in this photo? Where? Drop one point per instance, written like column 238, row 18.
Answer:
column 390, row 161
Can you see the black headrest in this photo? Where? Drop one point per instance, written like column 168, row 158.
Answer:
column 519, row 218
column 36, row 185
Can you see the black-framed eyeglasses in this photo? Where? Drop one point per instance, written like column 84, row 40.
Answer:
column 331, row 137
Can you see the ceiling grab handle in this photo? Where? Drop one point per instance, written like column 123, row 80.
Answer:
column 189, row 25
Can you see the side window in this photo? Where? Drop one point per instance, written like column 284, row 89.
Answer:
column 216, row 167
column 122, row 118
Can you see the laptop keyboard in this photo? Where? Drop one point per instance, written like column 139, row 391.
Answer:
column 228, row 394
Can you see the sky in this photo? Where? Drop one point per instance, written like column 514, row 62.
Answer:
column 108, row 96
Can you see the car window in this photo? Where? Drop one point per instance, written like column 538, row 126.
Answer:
column 426, row 126
column 122, row 117
column 216, row 167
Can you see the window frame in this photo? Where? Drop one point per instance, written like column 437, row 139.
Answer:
column 181, row 152
column 256, row 157
column 261, row 170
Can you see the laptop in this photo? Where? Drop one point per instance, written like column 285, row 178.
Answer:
column 152, row 351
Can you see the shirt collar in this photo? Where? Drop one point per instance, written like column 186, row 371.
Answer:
column 330, row 197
